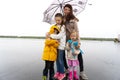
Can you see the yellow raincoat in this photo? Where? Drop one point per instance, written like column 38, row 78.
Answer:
column 51, row 45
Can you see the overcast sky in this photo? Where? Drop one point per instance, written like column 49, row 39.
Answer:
column 24, row 18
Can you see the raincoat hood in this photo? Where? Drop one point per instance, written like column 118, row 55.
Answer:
column 53, row 28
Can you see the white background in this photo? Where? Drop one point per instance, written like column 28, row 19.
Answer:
column 24, row 18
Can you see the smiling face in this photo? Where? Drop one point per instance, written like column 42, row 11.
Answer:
column 73, row 36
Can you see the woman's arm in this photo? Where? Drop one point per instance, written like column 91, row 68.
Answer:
column 77, row 30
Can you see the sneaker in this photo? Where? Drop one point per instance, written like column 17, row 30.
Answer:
column 61, row 76
column 83, row 75
column 44, row 77
column 56, row 75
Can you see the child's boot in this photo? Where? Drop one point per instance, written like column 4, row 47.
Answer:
column 61, row 76
column 70, row 76
column 75, row 75
column 44, row 77
column 56, row 75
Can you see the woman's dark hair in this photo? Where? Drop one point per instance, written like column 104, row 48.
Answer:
column 70, row 15
column 59, row 15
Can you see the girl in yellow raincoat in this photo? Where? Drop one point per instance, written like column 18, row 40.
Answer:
column 50, row 49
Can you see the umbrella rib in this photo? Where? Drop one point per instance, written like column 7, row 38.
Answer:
column 61, row 10
column 51, row 9
column 54, row 4
column 68, row 1
column 63, row 1
column 77, row 5
column 54, row 12
column 58, row 1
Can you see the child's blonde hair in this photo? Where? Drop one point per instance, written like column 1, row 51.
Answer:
column 74, row 32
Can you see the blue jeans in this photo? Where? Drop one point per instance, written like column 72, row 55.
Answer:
column 60, row 61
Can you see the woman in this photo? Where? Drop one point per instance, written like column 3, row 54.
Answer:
column 70, row 22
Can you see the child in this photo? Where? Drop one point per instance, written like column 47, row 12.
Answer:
column 72, row 54
column 60, row 74
column 50, row 52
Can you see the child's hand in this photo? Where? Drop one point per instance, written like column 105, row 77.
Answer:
column 47, row 35
column 77, row 52
column 67, row 48
column 78, row 45
column 58, row 41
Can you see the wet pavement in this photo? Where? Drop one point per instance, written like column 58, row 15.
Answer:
column 20, row 59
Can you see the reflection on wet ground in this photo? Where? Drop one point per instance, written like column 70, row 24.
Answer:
column 20, row 59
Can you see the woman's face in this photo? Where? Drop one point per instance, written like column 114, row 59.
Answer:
column 66, row 10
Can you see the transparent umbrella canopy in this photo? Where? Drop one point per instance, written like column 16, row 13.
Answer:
column 57, row 7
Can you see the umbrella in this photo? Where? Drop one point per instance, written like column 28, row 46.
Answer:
column 57, row 7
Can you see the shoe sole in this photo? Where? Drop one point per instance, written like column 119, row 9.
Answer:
column 82, row 78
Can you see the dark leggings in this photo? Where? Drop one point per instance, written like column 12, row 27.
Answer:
column 80, row 59
column 49, row 66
